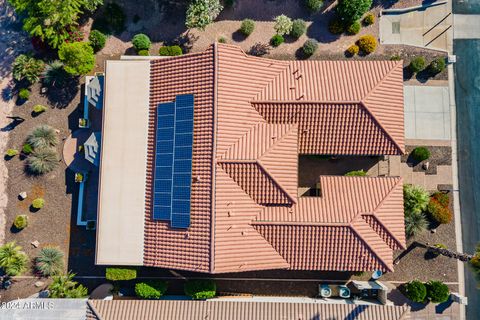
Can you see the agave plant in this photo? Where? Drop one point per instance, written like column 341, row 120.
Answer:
column 64, row 287
column 54, row 74
column 42, row 161
column 42, row 136
column 12, row 259
column 50, row 261
column 415, row 222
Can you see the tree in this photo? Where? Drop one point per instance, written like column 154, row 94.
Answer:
column 64, row 287
column 283, row 24
column 415, row 290
column 437, row 291
column 415, row 199
column 54, row 74
column 51, row 20
column 352, row 10
column 28, row 68
column 12, row 259
column 78, row 58
column 50, row 261
column 201, row 13
column 415, row 223
column 475, row 263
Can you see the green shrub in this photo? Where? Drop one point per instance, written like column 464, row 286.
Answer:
column 352, row 10
column 77, row 57
column 200, row 289
column 150, row 289
column 38, row 203
column 356, row 173
column 143, row 53
column 247, row 27
column 64, row 287
column 415, row 199
column 141, row 42
column 420, row 154
column 299, row 27
column 11, row 152
column 42, row 161
column 120, row 273
column 27, row 67
column 222, row 40
column 354, row 28
column 50, row 261
column 438, row 212
column 437, row 65
column 369, row 19
column 277, row 40
column 367, row 44
column 415, row 291
column 42, row 136
column 353, row 50
column 24, row 94
column 97, row 40
column 415, row 223
column 27, row 148
column 201, row 13
column 336, row 26
column 395, row 57
column 417, row 64
column 21, row 221
column 13, row 260
column 437, row 291
column 38, row 108
column 314, row 6
column 442, row 198
column 170, row 51
column 438, row 246
column 309, row 47
column 283, row 25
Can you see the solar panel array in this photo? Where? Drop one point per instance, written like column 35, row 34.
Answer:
column 173, row 161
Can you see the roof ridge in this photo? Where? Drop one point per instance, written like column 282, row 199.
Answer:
column 379, row 83
column 275, row 181
column 307, row 101
column 300, row 223
column 370, row 247
column 214, row 151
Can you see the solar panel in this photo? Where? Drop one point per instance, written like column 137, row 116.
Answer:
column 173, row 161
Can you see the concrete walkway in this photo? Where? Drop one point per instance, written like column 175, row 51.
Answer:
column 466, row 26
column 428, row 26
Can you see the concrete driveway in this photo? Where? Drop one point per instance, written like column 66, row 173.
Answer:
column 427, row 112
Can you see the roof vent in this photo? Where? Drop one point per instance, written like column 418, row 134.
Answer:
column 244, row 233
column 197, row 179
column 230, row 203
column 305, row 131
column 230, row 228
column 301, row 96
column 230, row 213
column 187, row 235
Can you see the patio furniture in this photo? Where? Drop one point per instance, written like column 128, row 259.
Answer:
column 325, row 291
column 92, row 148
column 343, row 292
column 377, row 274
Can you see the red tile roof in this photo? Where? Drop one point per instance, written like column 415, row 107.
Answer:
column 253, row 116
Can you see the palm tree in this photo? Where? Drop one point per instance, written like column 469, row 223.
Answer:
column 42, row 161
column 64, row 287
column 12, row 259
column 54, row 74
column 415, row 223
column 50, row 261
column 42, row 136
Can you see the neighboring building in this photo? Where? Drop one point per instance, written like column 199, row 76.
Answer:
column 221, row 310
column 199, row 163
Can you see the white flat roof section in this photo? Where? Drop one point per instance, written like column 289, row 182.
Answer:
column 123, row 165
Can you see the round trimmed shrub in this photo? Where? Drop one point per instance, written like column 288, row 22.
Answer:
column 78, row 58
column 309, row 47
column 222, row 40
column 417, row 64
column 150, row 289
column 415, row 291
column 437, row 65
column 354, row 28
column 442, row 198
column 38, row 203
column 143, row 53
column 247, row 27
column 120, row 273
column 420, row 154
column 353, row 50
column 367, row 44
column 170, row 51
column 277, row 40
column 200, row 289
column 97, row 40
column 283, row 24
column 369, row 19
column 21, row 221
column 439, row 213
column 11, row 152
column 38, row 108
column 141, row 42
column 27, row 148
column 314, row 6
column 24, row 94
column 437, row 291
column 336, row 26
column 299, row 27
